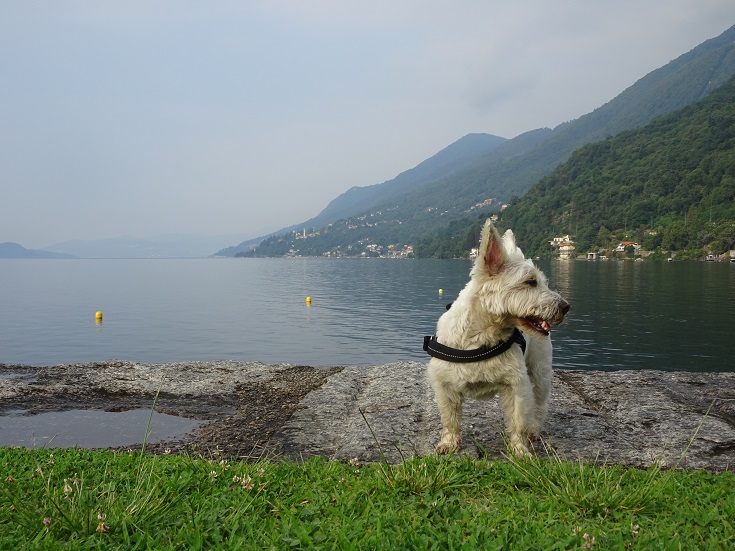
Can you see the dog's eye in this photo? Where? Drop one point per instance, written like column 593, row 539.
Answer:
column 532, row 282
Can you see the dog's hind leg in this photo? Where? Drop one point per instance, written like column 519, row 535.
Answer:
column 518, row 404
column 450, row 410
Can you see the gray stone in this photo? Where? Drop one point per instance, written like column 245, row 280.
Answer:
column 387, row 412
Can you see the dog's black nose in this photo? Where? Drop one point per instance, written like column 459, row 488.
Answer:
column 564, row 307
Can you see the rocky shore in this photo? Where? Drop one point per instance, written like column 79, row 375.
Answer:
column 251, row 410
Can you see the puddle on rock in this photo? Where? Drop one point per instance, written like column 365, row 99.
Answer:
column 91, row 428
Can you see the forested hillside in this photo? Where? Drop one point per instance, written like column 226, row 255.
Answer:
column 669, row 186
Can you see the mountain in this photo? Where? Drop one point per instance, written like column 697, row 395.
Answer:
column 511, row 168
column 356, row 199
column 14, row 250
column 164, row 246
column 681, row 82
column 457, row 155
column 669, row 185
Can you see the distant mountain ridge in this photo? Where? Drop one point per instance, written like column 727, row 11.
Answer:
column 165, row 246
column 15, row 250
column 356, row 199
column 679, row 83
column 514, row 166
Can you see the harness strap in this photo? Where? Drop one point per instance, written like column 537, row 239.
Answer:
column 437, row 350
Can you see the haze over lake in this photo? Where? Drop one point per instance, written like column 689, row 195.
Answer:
column 625, row 315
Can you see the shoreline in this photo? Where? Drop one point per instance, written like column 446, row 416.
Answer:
column 253, row 410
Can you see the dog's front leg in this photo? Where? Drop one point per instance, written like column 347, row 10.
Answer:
column 517, row 402
column 450, row 410
column 538, row 364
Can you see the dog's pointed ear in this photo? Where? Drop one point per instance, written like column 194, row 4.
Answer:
column 490, row 255
column 510, row 246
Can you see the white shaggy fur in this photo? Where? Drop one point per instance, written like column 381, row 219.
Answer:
column 505, row 291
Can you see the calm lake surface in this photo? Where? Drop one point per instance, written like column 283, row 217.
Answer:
column 625, row 315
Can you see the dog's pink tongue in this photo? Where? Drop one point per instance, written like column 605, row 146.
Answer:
column 545, row 326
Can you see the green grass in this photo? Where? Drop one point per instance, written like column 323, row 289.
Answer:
column 81, row 499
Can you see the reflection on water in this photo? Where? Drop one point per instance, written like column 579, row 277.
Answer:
column 624, row 315
column 645, row 315
column 90, row 428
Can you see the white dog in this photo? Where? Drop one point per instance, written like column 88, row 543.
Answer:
column 478, row 351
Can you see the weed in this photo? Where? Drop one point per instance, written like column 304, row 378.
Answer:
column 592, row 489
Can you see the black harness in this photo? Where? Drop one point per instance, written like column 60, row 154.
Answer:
column 437, row 350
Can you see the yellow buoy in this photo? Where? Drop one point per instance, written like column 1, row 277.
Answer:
column 441, row 291
column 308, row 300
column 98, row 316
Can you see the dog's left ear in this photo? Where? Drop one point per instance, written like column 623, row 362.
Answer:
column 511, row 248
column 490, row 256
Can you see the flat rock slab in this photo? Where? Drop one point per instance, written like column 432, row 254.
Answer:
column 387, row 412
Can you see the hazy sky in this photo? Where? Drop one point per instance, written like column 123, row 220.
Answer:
column 241, row 117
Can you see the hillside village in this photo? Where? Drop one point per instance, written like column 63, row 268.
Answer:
column 338, row 239
column 363, row 248
column 563, row 248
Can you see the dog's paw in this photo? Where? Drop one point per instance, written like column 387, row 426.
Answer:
column 519, row 446
column 520, row 450
column 448, row 444
column 444, row 449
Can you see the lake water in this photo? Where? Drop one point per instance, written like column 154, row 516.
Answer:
column 625, row 315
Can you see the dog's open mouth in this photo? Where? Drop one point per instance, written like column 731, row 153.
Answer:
column 536, row 324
